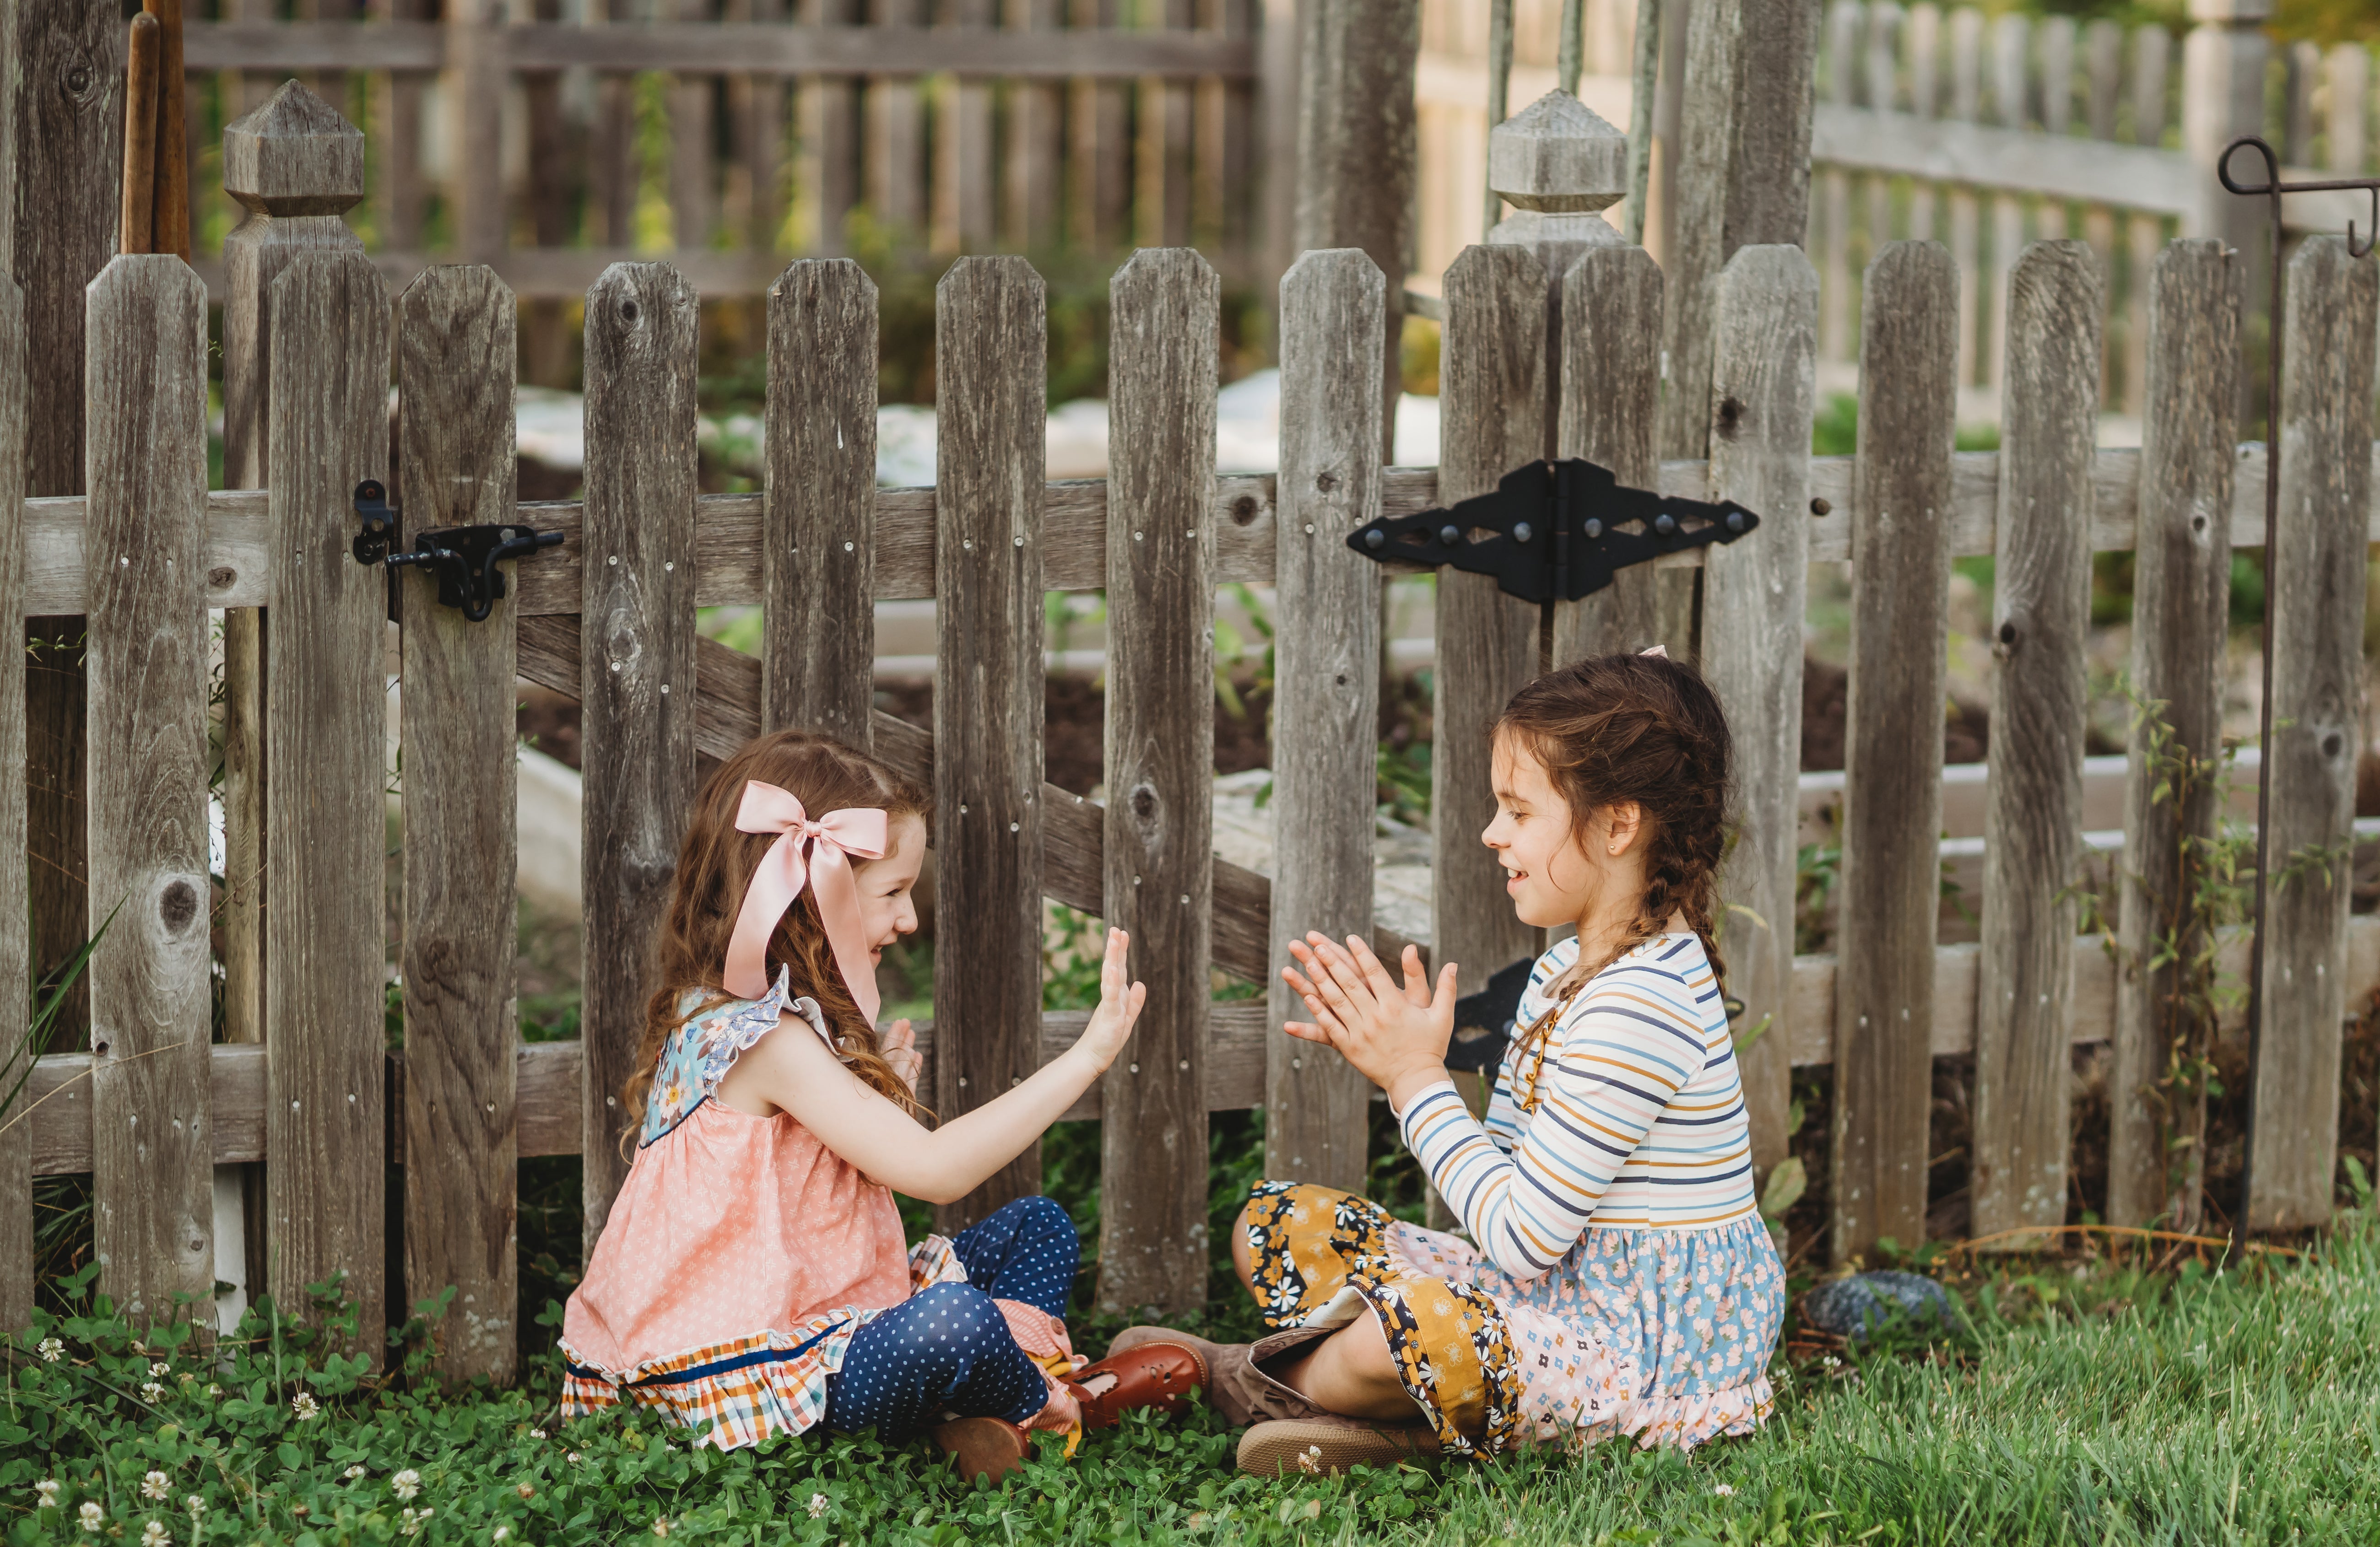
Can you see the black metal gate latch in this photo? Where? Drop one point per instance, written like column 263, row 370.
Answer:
column 464, row 558
column 1552, row 531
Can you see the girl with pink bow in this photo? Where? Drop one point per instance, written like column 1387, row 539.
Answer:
column 752, row 1279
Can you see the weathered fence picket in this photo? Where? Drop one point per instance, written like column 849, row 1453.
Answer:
column 2033, row 832
column 16, row 945
column 455, row 349
column 1892, row 780
column 818, row 547
column 2181, row 596
column 1326, row 655
column 2317, row 596
column 1493, row 403
column 294, row 165
column 325, row 703
column 637, row 670
column 1609, row 413
column 1159, row 852
column 145, row 419
column 1764, row 394
column 990, row 353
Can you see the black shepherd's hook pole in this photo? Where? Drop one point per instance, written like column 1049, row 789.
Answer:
column 2271, row 189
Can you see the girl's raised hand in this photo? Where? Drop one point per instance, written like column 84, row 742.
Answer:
column 1120, row 1005
column 1396, row 1036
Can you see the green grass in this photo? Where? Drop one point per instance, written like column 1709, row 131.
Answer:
column 2084, row 1403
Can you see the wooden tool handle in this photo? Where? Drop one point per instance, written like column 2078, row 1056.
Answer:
column 169, row 228
column 139, row 135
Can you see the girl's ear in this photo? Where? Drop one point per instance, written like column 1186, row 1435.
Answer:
column 1627, row 819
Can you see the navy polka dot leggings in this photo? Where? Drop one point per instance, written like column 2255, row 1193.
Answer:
column 947, row 1348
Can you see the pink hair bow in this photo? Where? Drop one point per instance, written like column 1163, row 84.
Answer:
column 784, row 870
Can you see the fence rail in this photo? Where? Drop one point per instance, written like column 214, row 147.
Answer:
column 609, row 618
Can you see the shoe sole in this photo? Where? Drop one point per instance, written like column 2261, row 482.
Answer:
column 1294, row 1446
column 982, row 1449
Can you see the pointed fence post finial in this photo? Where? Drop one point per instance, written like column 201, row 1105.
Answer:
column 1557, row 162
column 1557, row 155
column 293, row 156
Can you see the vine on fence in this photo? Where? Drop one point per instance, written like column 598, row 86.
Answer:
column 2214, row 890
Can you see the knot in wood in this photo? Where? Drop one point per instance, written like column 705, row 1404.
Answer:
column 221, row 577
column 1326, row 482
column 2331, row 744
column 78, row 78
column 1244, row 510
column 1144, row 802
column 1730, row 418
column 178, row 906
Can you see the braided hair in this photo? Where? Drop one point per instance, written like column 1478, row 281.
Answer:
column 1631, row 728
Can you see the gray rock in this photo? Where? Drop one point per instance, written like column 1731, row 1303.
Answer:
column 1853, row 1307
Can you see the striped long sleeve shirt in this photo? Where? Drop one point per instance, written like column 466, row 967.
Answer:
column 1640, row 1123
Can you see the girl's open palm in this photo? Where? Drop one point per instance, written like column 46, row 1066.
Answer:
column 1395, row 1035
column 1111, row 1024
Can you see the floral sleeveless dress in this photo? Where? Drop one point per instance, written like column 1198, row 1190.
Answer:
column 742, row 1254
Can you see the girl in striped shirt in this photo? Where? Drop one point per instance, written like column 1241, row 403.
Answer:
column 1619, row 1278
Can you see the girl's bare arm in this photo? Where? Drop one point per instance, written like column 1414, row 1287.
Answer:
column 791, row 1070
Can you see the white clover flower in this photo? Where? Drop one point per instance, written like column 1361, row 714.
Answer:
column 503, row 1534
column 661, row 1526
column 572, row 1458
column 46, row 1493
column 156, row 1485
column 537, row 1434
column 161, row 1369
column 214, row 1390
column 153, row 1393
column 140, row 1347
column 353, row 1472
column 410, row 1522
column 818, row 1506
column 50, row 1349
column 405, row 1484
column 195, row 1505
column 1309, row 1460
column 1725, row 1491
column 154, row 1534
column 304, row 1405
column 92, row 1516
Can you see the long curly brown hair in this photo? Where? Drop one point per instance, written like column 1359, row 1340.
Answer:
column 715, row 864
column 1644, row 729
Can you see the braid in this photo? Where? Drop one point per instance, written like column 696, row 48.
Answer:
column 1648, row 730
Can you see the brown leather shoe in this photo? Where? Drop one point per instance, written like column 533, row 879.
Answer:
column 1328, row 1445
column 1150, row 1374
column 985, row 1449
column 1238, row 1386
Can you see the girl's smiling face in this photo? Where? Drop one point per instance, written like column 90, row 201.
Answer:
column 888, row 907
column 1550, row 878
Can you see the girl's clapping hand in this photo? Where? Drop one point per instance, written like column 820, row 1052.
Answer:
column 1396, row 1036
column 1120, row 1005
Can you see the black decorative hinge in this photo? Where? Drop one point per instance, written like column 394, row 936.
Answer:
column 1553, row 531
column 464, row 558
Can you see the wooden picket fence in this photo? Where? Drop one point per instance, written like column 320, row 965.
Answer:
column 610, row 616
column 510, row 135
